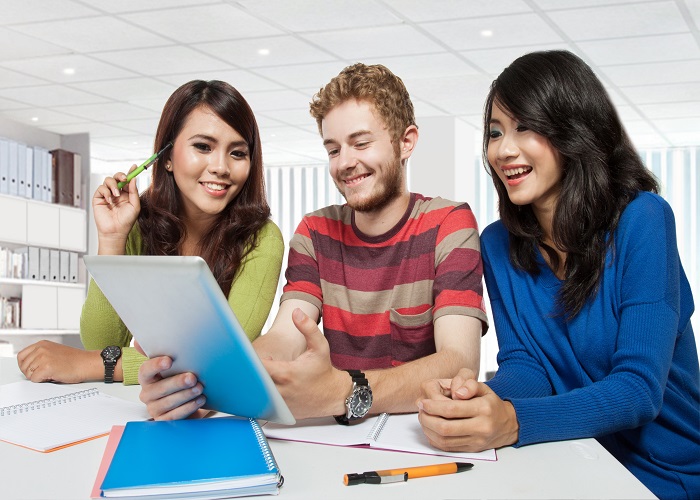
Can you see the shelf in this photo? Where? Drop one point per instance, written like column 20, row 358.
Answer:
column 13, row 332
column 22, row 282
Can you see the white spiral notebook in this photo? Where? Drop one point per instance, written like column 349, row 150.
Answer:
column 385, row 431
column 45, row 417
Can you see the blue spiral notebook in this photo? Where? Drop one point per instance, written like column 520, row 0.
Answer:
column 205, row 459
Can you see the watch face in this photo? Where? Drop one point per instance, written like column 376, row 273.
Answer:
column 361, row 401
column 111, row 353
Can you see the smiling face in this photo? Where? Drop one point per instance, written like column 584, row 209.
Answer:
column 526, row 163
column 210, row 162
column 363, row 161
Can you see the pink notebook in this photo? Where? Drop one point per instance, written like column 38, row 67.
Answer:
column 114, row 436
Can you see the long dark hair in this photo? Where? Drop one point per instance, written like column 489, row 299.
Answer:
column 557, row 95
column 233, row 234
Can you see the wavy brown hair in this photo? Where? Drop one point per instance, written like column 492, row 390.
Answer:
column 374, row 84
column 557, row 95
column 235, row 230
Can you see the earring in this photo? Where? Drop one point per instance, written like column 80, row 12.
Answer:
column 168, row 167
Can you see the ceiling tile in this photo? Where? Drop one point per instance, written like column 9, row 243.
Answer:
column 312, row 15
column 163, row 60
column 418, row 66
column 627, row 113
column 143, row 126
column 671, row 92
column 303, row 76
column 123, row 6
column 641, row 49
column 16, row 46
column 687, row 138
column 93, row 34
column 129, row 89
column 282, row 50
column 357, row 44
column 50, row 96
column 458, row 95
column 617, row 21
column 694, row 8
column 277, row 100
column 6, row 104
column 678, row 125
column 654, row 73
column 286, row 134
column 243, row 81
column 111, row 111
column 423, row 109
column 52, row 68
column 203, row 23
column 573, row 4
column 518, row 30
column 493, row 61
column 672, row 110
column 95, row 129
column 435, row 10
column 10, row 79
column 289, row 116
column 44, row 117
column 29, row 11
column 104, row 151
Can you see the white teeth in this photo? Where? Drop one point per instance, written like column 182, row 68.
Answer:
column 214, row 187
column 516, row 171
column 356, row 180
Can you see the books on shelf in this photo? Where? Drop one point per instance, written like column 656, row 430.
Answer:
column 202, row 458
column 387, row 432
column 46, row 417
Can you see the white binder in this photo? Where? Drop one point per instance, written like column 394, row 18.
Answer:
column 29, row 172
column 13, row 172
column 4, row 166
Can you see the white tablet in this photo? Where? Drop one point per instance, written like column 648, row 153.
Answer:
column 173, row 306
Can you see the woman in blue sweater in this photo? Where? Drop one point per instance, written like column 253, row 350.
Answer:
column 590, row 302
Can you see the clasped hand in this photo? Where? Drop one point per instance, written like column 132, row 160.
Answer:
column 461, row 414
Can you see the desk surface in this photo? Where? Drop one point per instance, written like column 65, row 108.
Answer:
column 567, row 469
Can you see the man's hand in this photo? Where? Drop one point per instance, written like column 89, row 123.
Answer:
column 462, row 414
column 47, row 361
column 309, row 384
column 170, row 398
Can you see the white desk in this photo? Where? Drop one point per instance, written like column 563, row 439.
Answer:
column 568, row 469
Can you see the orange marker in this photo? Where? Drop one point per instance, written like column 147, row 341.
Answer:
column 400, row 475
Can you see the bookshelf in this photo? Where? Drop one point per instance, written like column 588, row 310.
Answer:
column 50, row 308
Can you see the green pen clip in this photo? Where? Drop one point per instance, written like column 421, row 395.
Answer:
column 144, row 166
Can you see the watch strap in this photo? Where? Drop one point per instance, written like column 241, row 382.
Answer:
column 358, row 379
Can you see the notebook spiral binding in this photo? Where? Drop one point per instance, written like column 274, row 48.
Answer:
column 264, row 447
column 378, row 426
column 20, row 409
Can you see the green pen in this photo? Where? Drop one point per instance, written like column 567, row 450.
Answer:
column 144, row 166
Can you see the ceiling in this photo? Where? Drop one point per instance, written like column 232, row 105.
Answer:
column 106, row 67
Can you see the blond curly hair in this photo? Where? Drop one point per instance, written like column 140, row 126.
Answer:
column 374, row 84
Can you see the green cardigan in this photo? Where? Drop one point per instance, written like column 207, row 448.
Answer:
column 251, row 296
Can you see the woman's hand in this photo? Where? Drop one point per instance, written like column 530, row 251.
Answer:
column 462, row 414
column 115, row 213
column 48, row 361
column 170, row 398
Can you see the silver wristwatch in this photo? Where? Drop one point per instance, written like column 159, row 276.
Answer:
column 359, row 401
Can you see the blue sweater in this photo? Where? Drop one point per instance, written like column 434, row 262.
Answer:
column 624, row 370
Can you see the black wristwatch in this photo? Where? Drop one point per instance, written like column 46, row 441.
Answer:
column 110, row 356
column 359, row 401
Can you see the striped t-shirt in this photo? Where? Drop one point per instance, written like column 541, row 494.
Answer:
column 379, row 296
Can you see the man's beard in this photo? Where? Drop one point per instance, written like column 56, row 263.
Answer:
column 386, row 191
